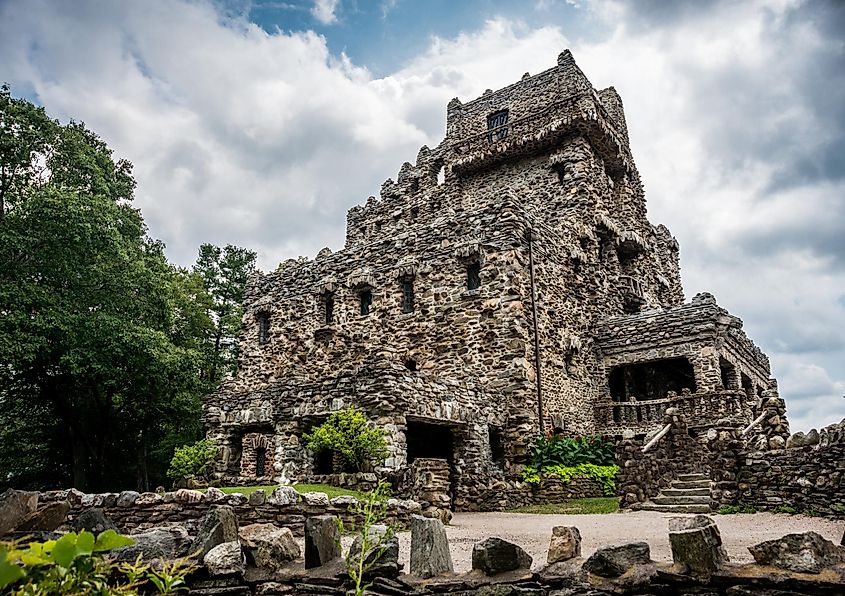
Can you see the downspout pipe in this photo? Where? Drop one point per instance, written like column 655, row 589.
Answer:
column 530, row 235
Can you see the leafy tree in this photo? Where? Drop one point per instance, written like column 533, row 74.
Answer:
column 224, row 273
column 348, row 434
column 100, row 337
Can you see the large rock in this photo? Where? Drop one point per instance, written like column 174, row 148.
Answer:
column 219, row 525
column 495, row 555
column 268, row 546
column 802, row 553
column 322, row 540
column 15, row 505
column 167, row 543
column 186, row 495
column 615, row 560
column 696, row 544
column 94, row 521
column 47, row 518
column 284, row 495
column 127, row 498
column 381, row 559
column 430, row 554
column 214, row 495
column 257, row 497
column 316, row 498
column 565, row 544
column 225, row 559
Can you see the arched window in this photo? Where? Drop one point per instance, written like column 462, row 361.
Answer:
column 474, row 275
column 366, row 299
column 263, row 327
column 328, row 308
column 408, row 295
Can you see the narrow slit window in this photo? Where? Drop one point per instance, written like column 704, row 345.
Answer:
column 366, row 298
column 407, row 295
column 328, row 307
column 260, row 457
column 474, row 276
column 497, row 125
column 263, row 328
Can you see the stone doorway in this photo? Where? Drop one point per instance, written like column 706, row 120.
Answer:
column 428, row 441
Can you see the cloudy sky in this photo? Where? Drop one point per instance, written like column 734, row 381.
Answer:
column 259, row 123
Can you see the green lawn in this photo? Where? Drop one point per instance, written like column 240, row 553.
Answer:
column 574, row 507
column 331, row 491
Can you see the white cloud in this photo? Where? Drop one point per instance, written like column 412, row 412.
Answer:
column 265, row 139
column 325, row 11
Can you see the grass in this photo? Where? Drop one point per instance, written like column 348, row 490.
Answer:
column 331, row 491
column 573, row 507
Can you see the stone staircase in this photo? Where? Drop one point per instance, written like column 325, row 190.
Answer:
column 690, row 493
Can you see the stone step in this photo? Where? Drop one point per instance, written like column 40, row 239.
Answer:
column 703, row 491
column 649, row 506
column 663, row 500
column 690, row 484
column 688, row 477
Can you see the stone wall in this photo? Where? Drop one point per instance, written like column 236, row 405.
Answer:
column 132, row 512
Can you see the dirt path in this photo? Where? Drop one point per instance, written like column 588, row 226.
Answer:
column 532, row 532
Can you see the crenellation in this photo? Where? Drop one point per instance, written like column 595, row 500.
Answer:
column 530, row 207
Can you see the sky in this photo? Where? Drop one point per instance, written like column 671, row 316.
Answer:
column 259, row 123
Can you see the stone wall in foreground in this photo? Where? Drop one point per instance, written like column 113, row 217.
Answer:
column 133, row 512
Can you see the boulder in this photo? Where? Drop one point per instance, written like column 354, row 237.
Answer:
column 167, row 543
column 696, row 544
column 214, row 495
column 613, row 561
column 15, row 505
column 284, row 495
column 803, row 553
column 344, row 501
column 382, row 556
column 94, row 521
column 219, row 525
column 257, row 497
column 146, row 499
column 495, row 555
column 430, row 554
column 226, row 558
column 316, row 498
column 565, row 544
column 268, row 546
column 322, row 540
column 47, row 518
column 186, row 495
column 127, row 498
column 236, row 499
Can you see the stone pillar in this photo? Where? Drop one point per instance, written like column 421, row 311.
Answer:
column 696, row 544
column 725, row 450
column 774, row 430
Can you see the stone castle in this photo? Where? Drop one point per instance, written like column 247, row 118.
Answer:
column 505, row 285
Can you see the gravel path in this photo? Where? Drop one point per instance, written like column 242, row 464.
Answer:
column 532, row 532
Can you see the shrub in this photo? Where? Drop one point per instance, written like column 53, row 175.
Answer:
column 192, row 460
column 740, row 508
column 348, row 434
column 371, row 510
column 555, row 450
column 604, row 475
column 74, row 564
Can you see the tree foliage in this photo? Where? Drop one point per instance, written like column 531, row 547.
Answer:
column 348, row 434
column 103, row 342
column 192, row 460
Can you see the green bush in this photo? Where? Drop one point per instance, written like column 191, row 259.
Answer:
column 740, row 508
column 555, row 450
column 348, row 434
column 74, row 564
column 604, row 475
column 192, row 460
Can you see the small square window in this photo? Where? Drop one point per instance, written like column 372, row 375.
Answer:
column 497, row 124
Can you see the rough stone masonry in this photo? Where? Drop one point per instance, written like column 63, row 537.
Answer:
column 507, row 283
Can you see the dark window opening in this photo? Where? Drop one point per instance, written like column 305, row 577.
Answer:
column 497, row 125
column 474, row 276
column 260, row 457
column 497, row 444
column 426, row 440
column 568, row 362
column 328, row 307
column 411, row 365
column 415, row 184
column 747, row 385
column 324, row 462
column 415, row 212
column 263, row 328
column 651, row 380
column 728, row 374
column 407, row 295
column 366, row 298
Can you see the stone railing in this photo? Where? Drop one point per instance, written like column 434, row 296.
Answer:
column 701, row 409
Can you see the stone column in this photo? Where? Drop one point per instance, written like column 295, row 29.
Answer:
column 725, row 450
